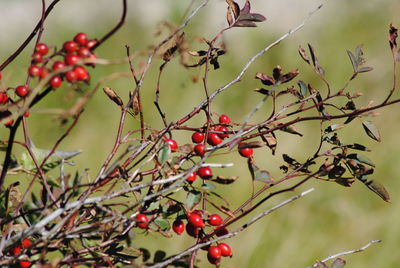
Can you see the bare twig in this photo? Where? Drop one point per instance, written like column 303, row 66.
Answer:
column 370, row 243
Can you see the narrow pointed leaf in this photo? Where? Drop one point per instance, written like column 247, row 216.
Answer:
column 353, row 60
column 303, row 88
column 361, row 159
column 365, row 69
column 376, row 187
column 371, row 130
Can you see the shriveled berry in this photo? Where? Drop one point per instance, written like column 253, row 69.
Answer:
column 200, row 149
column 198, row 137
column 196, row 220
column 214, row 252
column 21, row 91
column 3, row 97
column 71, row 59
column 245, row 152
column 70, row 46
column 205, row 173
column 172, row 144
column 71, row 76
column 192, row 177
column 226, row 250
column 58, row 65
column 192, row 230
column 213, row 139
column 42, row 49
column 84, row 52
column 142, row 221
column 37, row 58
column 81, row 73
column 222, row 129
column 215, row 220
column 56, row 81
column 178, row 226
column 224, row 119
column 221, row 231
column 81, row 39
column 25, row 264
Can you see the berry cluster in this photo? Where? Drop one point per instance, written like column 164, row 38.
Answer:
column 18, row 250
column 197, row 223
column 43, row 65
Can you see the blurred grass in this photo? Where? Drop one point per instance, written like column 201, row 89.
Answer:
column 332, row 218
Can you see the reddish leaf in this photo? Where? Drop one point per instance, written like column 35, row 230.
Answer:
column 265, row 79
column 288, row 76
column 393, row 37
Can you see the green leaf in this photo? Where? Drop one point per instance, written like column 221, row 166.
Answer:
column 303, row 88
column 163, row 224
column 371, row 130
column 164, row 154
column 154, row 206
column 338, row 263
column 353, row 60
column 361, row 159
column 193, row 198
column 263, row 176
column 376, row 187
column 208, row 186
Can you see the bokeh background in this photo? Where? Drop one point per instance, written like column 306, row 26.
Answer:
column 332, row 218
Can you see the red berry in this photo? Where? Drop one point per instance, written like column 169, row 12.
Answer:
column 9, row 123
column 213, row 139
column 24, row 264
column 21, row 91
column 26, row 114
column 71, row 76
column 245, row 152
column 42, row 49
column 37, row 58
column 71, row 59
column 81, row 73
column 224, row 119
column 200, row 149
column 16, row 251
column 215, row 220
column 196, row 220
column 172, row 144
column 34, row 70
column 222, row 129
column 198, row 137
column 43, row 73
column 70, row 46
column 58, row 65
column 56, row 81
column 1, row 76
column 3, row 97
column 213, row 260
column 26, row 243
column 221, row 231
column 192, row 177
column 81, row 39
column 192, row 230
column 178, row 226
column 141, row 221
column 91, row 43
column 205, row 173
column 84, row 52
column 214, row 252
column 226, row 250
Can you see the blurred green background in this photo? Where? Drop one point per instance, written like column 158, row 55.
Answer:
column 332, row 218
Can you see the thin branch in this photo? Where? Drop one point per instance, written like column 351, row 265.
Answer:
column 370, row 243
column 243, row 227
